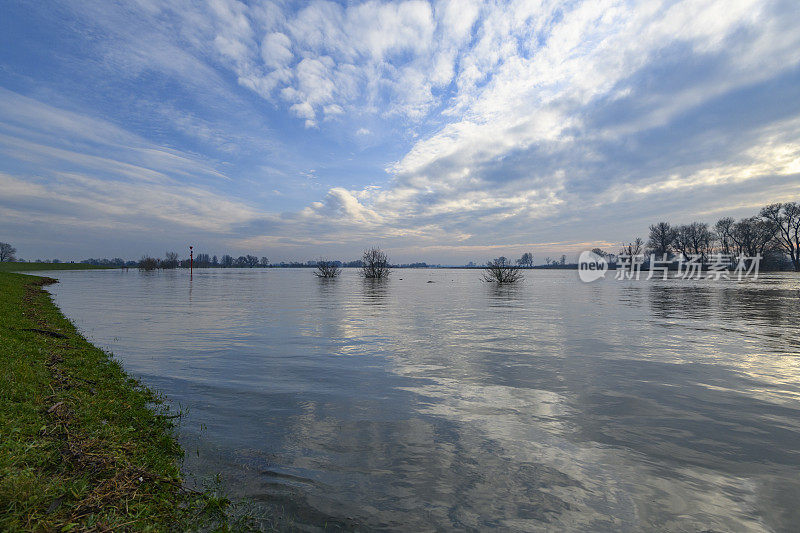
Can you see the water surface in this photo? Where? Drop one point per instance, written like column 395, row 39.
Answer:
column 405, row 404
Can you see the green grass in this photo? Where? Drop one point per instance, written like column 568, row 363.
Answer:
column 32, row 267
column 83, row 447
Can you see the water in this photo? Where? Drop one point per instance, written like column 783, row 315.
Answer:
column 403, row 404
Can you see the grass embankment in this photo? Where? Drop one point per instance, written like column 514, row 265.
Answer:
column 82, row 445
column 32, row 267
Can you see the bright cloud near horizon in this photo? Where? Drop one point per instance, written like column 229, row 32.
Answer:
column 442, row 131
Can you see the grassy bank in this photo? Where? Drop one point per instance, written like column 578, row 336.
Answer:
column 82, row 445
column 33, row 267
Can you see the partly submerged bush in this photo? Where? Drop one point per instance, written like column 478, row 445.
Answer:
column 501, row 271
column 375, row 264
column 327, row 269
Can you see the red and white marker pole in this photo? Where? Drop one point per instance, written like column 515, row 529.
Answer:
column 191, row 261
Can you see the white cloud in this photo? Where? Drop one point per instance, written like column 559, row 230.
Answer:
column 517, row 111
column 133, row 184
column 276, row 51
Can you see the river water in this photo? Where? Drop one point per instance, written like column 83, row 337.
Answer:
column 434, row 401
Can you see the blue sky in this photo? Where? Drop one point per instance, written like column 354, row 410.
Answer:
column 440, row 131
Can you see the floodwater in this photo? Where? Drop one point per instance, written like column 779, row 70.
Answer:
column 434, row 401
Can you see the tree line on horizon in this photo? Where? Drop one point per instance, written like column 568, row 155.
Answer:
column 171, row 261
column 773, row 234
column 203, row 260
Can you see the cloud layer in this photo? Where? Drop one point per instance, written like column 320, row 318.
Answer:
column 451, row 127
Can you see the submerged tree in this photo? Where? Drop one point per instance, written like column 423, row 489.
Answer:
column 327, row 269
column 149, row 263
column 375, row 264
column 170, row 260
column 501, row 271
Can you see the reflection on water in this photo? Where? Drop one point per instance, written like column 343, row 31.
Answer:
column 504, row 295
column 432, row 400
column 374, row 290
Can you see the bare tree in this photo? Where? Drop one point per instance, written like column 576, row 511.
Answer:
column 7, row 253
column 501, row 271
column 264, row 262
column 722, row 233
column 252, row 261
column 149, row 263
column 683, row 240
column 608, row 256
column 702, row 239
column 785, row 219
column 526, row 260
column 375, row 263
column 327, row 269
column 694, row 239
column 752, row 236
column 662, row 236
column 547, row 260
column 633, row 248
column 170, row 260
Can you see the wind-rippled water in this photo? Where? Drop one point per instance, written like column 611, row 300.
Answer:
column 403, row 404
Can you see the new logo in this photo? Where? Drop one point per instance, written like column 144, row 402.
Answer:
column 591, row 266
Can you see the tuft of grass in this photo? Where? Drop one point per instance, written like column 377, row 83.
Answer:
column 83, row 446
column 33, row 267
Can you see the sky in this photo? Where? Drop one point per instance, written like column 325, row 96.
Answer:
column 441, row 131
